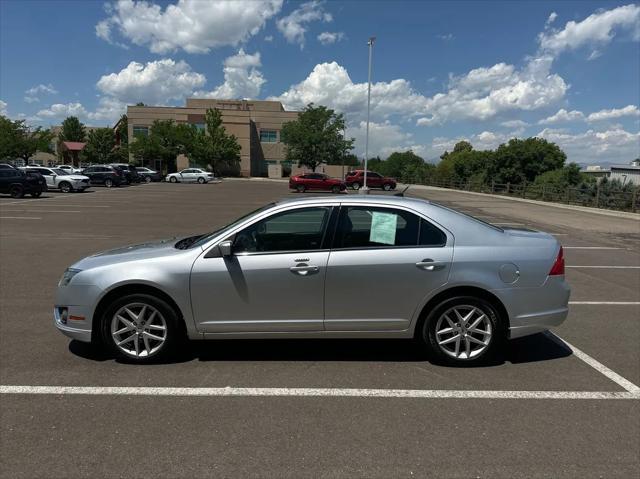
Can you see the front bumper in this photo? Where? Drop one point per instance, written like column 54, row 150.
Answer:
column 68, row 329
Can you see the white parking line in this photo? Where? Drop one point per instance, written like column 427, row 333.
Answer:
column 603, row 267
column 614, row 303
column 598, row 366
column 19, row 218
column 42, row 211
column 314, row 392
column 591, row 247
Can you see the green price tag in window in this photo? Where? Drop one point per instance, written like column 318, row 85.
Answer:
column 383, row 228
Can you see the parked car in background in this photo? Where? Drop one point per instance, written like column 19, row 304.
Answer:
column 18, row 183
column 317, row 182
column 130, row 172
column 355, row 180
column 148, row 175
column 190, row 175
column 105, row 175
column 460, row 286
column 69, row 169
column 59, row 179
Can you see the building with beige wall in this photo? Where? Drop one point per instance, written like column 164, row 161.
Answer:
column 255, row 123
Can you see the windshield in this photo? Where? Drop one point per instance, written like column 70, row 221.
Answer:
column 207, row 237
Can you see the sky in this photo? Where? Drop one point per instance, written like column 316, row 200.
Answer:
column 566, row 71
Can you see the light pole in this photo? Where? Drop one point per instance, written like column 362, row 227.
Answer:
column 365, row 189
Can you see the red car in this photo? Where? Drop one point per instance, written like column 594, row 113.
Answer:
column 316, row 181
column 355, row 180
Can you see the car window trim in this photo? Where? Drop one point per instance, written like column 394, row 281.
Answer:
column 343, row 206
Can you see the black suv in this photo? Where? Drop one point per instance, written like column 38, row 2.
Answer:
column 17, row 183
column 106, row 175
column 130, row 172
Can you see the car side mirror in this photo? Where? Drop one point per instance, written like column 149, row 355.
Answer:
column 225, row 248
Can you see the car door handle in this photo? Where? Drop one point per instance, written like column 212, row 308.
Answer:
column 430, row 265
column 304, row 269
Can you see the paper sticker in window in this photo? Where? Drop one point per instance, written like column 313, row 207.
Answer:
column 383, row 228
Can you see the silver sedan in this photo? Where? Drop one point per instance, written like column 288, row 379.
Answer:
column 353, row 267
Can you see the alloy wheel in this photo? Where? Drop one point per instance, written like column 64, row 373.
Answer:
column 138, row 330
column 464, row 332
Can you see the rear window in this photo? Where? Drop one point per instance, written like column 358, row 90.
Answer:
column 478, row 220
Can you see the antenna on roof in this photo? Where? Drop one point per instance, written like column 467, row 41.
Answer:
column 401, row 193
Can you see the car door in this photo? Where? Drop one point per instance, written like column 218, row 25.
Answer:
column 188, row 176
column 373, row 179
column 272, row 282
column 384, row 262
column 49, row 177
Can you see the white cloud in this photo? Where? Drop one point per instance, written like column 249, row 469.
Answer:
column 62, row 110
column 156, row 82
column 514, row 124
column 562, row 116
column 446, row 37
column 629, row 110
column 33, row 93
column 109, row 110
column 242, row 78
column 294, row 25
column 384, row 139
column 3, row 108
column 196, row 26
column 614, row 145
column 329, row 84
column 327, row 38
column 268, row 38
column 596, row 30
column 551, row 19
column 484, row 93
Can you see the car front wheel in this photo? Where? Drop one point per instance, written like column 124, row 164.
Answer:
column 463, row 330
column 16, row 191
column 141, row 328
column 147, row 179
column 301, row 188
column 335, row 189
column 386, row 187
column 65, row 187
column 108, row 182
column 173, row 179
column 201, row 180
column 355, row 186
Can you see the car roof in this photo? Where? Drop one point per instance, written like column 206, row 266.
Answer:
column 376, row 199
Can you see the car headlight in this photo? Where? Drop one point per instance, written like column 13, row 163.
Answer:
column 67, row 276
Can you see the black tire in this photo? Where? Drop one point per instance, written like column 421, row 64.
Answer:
column 301, row 188
column 335, row 189
column 16, row 191
column 355, row 185
column 429, row 338
column 173, row 179
column 36, row 194
column 175, row 334
column 65, row 187
column 386, row 187
column 147, row 179
column 108, row 182
column 201, row 180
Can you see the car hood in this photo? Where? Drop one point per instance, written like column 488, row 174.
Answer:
column 136, row 252
column 75, row 177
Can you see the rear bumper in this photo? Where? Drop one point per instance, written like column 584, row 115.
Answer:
column 536, row 323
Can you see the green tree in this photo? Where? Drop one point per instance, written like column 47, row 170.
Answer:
column 18, row 140
column 72, row 130
column 165, row 141
column 100, row 145
column 567, row 176
column 523, row 160
column 400, row 161
column 316, row 137
column 464, row 164
column 123, row 130
column 214, row 147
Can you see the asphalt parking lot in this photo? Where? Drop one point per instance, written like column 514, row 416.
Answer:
column 312, row 408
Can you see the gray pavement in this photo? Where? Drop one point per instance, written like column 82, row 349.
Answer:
column 155, row 436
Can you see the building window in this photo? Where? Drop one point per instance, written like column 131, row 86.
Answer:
column 140, row 131
column 268, row 136
column 200, row 126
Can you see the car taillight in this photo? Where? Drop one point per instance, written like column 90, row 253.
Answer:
column 558, row 266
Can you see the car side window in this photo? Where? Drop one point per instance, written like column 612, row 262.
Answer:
column 379, row 227
column 373, row 175
column 301, row 229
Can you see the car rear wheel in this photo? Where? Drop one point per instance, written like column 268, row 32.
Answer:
column 355, row 185
column 301, row 188
column 173, row 179
column 16, row 191
column 141, row 328
column 201, row 180
column 463, row 330
column 335, row 189
column 108, row 182
column 147, row 179
column 386, row 187
column 66, row 187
